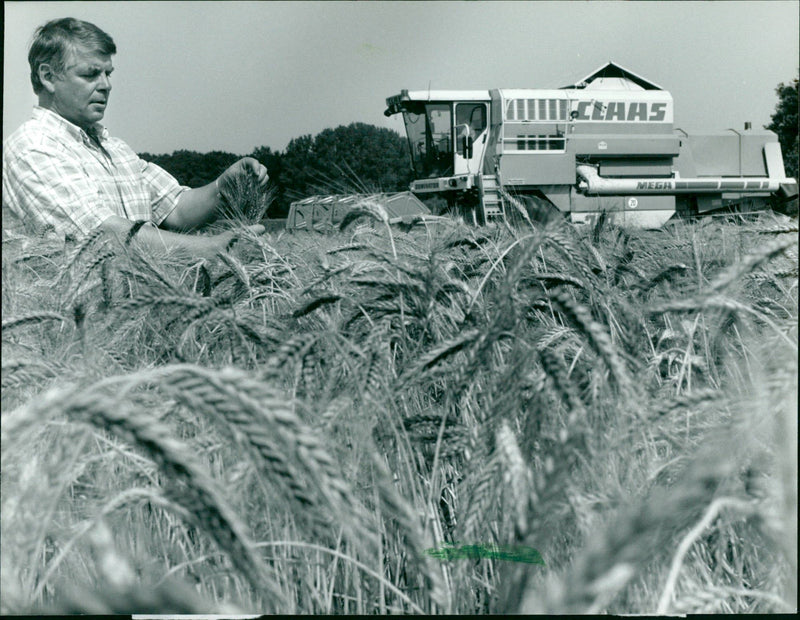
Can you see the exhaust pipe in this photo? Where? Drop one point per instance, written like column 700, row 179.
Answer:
column 593, row 183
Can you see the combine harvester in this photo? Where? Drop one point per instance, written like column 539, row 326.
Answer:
column 605, row 144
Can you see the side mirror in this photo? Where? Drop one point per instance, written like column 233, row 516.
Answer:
column 465, row 142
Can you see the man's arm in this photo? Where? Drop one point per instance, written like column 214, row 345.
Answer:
column 200, row 205
column 153, row 238
column 49, row 192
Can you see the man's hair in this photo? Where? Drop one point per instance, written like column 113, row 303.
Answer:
column 53, row 42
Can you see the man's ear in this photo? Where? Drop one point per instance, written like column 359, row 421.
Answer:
column 47, row 77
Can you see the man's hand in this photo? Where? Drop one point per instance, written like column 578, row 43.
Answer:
column 224, row 241
column 247, row 166
column 201, row 205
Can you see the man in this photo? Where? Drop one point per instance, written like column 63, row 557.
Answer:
column 63, row 174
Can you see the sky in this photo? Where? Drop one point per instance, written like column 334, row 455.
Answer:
column 234, row 76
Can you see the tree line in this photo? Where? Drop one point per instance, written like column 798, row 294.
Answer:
column 356, row 158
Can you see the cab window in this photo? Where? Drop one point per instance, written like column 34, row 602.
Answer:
column 473, row 115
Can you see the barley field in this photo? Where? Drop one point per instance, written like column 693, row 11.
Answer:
column 417, row 419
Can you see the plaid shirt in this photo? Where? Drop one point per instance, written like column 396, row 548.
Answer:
column 56, row 179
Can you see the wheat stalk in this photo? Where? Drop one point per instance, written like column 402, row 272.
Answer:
column 536, row 238
column 598, row 338
column 480, row 488
column 438, row 354
column 558, row 238
column 87, row 242
column 236, row 267
column 717, row 301
column 752, row 261
column 558, row 376
column 710, row 515
column 267, row 421
column 374, row 210
column 516, row 476
column 519, row 207
column 31, row 319
column 395, row 507
column 129, row 496
column 312, row 305
column 189, row 485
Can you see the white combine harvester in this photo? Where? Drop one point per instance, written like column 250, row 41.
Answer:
column 605, row 144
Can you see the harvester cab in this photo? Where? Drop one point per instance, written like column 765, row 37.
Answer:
column 447, row 132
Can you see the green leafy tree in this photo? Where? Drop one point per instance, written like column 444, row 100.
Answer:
column 300, row 168
column 348, row 159
column 784, row 123
column 366, row 157
column 192, row 168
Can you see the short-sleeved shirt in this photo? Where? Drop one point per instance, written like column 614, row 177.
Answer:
column 56, row 179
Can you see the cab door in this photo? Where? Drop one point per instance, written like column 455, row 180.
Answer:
column 470, row 134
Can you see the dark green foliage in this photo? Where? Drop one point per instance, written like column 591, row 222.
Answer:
column 357, row 158
column 785, row 124
column 192, row 168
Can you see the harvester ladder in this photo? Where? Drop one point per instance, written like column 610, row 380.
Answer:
column 492, row 199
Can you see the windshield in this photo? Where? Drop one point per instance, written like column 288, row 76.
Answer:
column 429, row 130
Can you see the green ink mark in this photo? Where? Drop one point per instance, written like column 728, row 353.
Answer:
column 454, row 551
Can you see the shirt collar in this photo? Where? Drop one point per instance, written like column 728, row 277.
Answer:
column 59, row 122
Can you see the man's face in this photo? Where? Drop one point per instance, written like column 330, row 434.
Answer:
column 80, row 93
